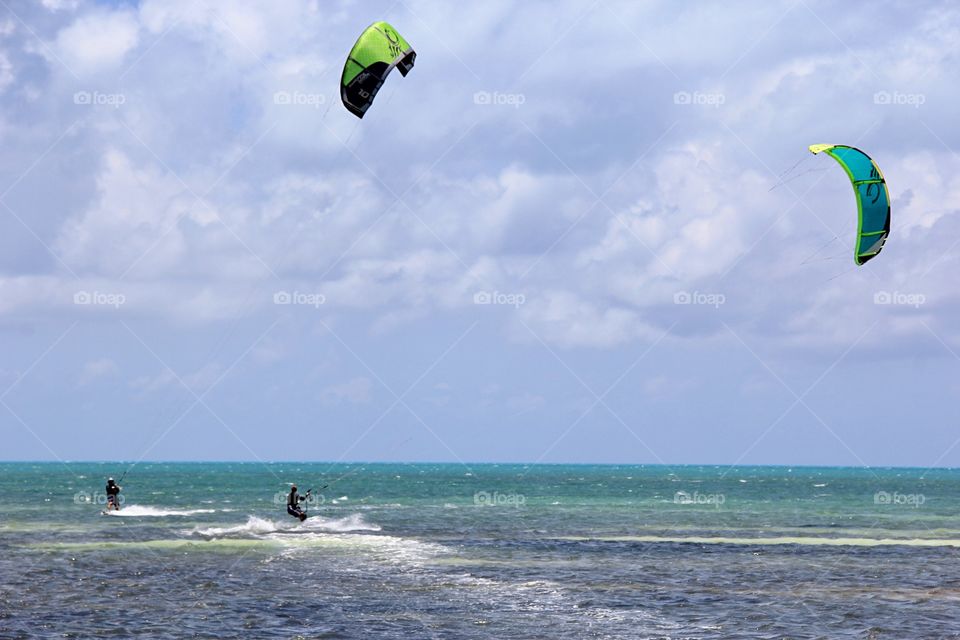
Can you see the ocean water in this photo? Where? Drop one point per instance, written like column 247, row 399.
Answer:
column 482, row 551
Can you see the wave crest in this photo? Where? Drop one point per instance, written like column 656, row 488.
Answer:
column 257, row 527
column 153, row 512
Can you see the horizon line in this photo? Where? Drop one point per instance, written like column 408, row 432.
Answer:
column 486, row 463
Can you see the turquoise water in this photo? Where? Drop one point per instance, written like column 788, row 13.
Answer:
column 504, row 551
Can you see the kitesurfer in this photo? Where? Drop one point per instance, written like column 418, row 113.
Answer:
column 113, row 495
column 293, row 504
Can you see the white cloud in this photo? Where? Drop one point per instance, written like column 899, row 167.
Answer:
column 500, row 210
column 98, row 42
column 568, row 320
column 134, row 223
column 526, row 402
column 97, row 369
column 60, row 5
column 203, row 378
column 198, row 381
column 354, row 391
column 154, row 383
column 6, row 72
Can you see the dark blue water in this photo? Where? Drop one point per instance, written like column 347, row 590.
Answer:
column 502, row 551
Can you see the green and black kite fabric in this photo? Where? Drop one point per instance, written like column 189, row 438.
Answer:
column 378, row 50
column 873, row 199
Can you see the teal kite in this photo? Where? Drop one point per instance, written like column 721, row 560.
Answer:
column 873, row 199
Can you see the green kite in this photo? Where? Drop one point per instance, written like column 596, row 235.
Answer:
column 378, row 50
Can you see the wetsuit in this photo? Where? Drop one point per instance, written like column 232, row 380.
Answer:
column 113, row 496
column 293, row 505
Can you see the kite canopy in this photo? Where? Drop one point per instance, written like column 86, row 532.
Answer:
column 873, row 199
column 378, row 50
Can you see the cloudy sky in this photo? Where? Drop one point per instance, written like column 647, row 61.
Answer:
column 576, row 232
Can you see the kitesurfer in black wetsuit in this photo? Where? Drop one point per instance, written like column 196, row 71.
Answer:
column 293, row 504
column 113, row 495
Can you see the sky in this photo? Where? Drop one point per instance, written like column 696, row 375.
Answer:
column 584, row 232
